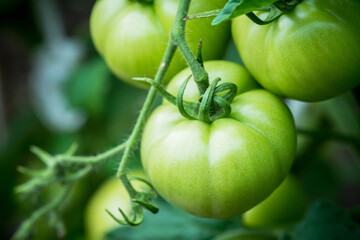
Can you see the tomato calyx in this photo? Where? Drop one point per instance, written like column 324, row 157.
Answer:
column 141, row 200
column 212, row 105
column 274, row 10
column 213, row 102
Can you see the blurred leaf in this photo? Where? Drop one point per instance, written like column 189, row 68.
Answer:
column 343, row 113
column 232, row 54
column 171, row 223
column 326, row 220
column 318, row 177
column 88, row 86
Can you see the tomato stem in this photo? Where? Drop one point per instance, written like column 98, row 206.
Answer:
column 94, row 159
column 201, row 77
column 133, row 140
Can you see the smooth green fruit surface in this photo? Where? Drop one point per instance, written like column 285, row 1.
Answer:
column 222, row 169
column 310, row 54
column 284, row 206
column 132, row 36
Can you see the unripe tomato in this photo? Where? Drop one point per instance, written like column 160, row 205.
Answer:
column 219, row 169
column 132, row 36
column 284, row 206
column 310, row 54
column 110, row 195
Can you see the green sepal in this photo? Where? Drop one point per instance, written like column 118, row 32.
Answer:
column 206, row 103
column 190, row 111
column 148, row 205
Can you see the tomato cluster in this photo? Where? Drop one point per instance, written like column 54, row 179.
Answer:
column 223, row 168
column 132, row 36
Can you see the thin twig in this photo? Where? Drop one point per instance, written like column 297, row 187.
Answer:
column 28, row 225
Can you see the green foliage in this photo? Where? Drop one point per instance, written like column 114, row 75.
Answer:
column 171, row 223
column 325, row 220
column 235, row 8
column 88, row 86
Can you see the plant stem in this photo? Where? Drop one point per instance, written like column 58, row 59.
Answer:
column 94, row 159
column 201, row 77
column 28, row 225
column 140, row 122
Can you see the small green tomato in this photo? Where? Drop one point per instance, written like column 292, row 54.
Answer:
column 284, row 206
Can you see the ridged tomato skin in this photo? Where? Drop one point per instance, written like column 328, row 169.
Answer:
column 219, row 169
column 310, row 54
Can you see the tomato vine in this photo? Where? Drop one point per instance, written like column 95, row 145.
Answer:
column 67, row 168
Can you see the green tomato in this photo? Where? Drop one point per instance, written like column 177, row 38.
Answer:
column 221, row 169
column 284, row 206
column 110, row 195
column 132, row 36
column 310, row 54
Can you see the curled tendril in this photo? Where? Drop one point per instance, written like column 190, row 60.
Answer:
column 207, row 102
column 230, row 87
column 142, row 200
column 188, row 112
column 224, row 110
column 137, row 219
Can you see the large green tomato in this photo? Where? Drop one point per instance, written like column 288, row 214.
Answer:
column 310, row 54
column 222, row 169
column 284, row 206
column 132, row 36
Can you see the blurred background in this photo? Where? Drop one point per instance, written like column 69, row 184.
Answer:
column 55, row 90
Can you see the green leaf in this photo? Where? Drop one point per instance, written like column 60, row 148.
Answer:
column 234, row 8
column 171, row 223
column 342, row 112
column 326, row 220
